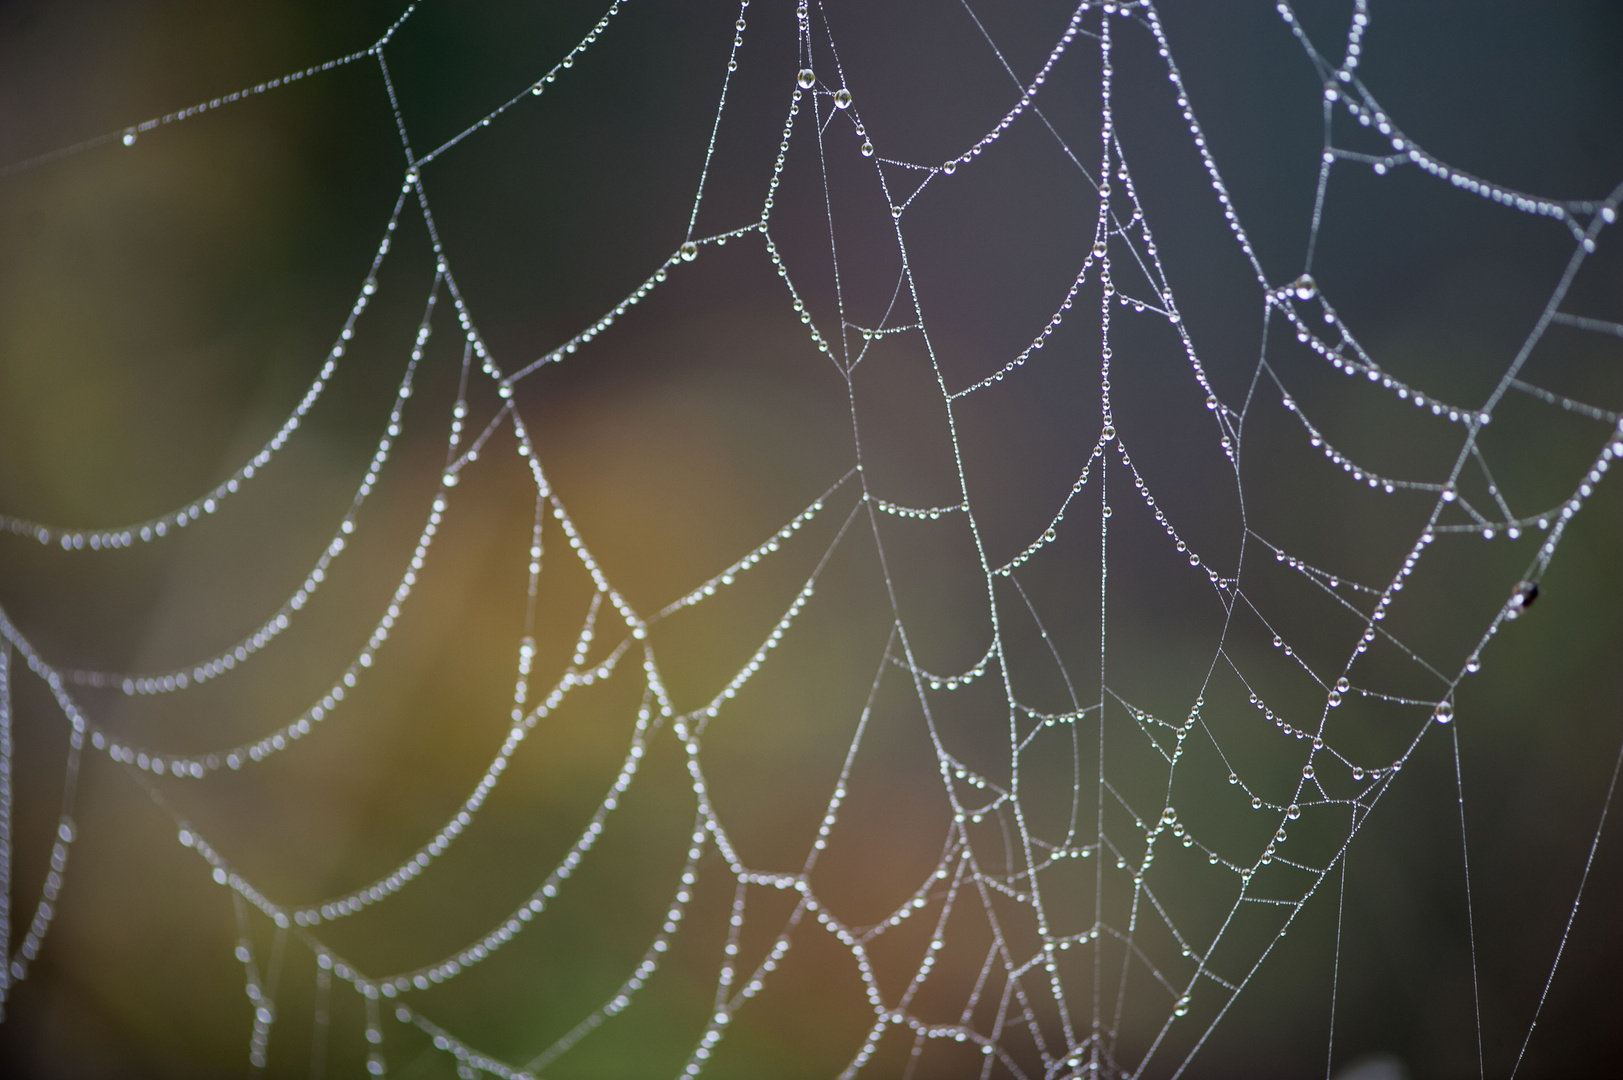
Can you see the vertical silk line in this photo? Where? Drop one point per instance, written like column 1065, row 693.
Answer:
column 1335, row 969
column 318, row 1027
column 5, row 824
column 1021, row 965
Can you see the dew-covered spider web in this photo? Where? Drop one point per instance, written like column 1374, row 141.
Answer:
column 1056, row 634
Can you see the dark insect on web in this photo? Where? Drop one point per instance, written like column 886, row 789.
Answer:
column 1522, row 598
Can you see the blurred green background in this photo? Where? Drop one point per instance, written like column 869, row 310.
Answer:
column 164, row 305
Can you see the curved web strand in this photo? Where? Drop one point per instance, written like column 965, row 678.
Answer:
column 127, row 136
column 228, row 659
column 169, row 523
column 1030, row 1011
column 197, row 766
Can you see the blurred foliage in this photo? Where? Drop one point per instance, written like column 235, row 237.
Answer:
column 163, row 305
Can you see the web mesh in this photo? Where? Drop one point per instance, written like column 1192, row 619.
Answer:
column 1140, row 708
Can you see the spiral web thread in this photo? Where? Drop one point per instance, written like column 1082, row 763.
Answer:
column 1030, row 1012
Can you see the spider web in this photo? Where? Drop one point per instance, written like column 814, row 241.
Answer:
column 1114, row 861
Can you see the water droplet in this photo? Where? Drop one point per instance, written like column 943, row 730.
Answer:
column 867, row 149
column 1444, row 712
column 842, row 98
column 1307, row 772
column 1342, row 685
column 129, row 137
column 950, row 167
column 1256, row 802
column 690, row 251
column 1233, row 779
column 1293, row 812
column 807, row 79
column 1109, row 432
column 1305, row 287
